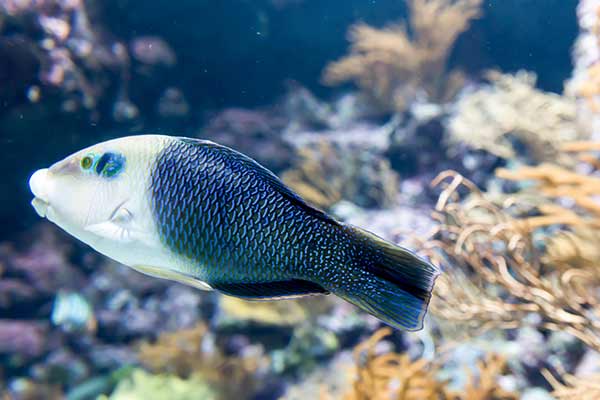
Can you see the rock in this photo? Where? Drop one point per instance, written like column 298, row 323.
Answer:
column 111, row 357
column 26, row 339
column 180, row 307
column 255, row 133
column 62, row 366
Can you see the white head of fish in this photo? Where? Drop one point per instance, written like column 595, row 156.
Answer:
column 100, row 195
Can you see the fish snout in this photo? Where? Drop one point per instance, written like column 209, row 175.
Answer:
column 38, row 184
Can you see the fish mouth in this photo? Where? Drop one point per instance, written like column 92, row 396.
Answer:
column 40, row 206
column 37, row 184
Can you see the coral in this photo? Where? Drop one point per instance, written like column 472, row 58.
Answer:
column 52, row 292
column 568, row 248
column 326, row 173
column 42, row 267
column 253, row 132
column 142, row 385
column 328, row 381
column 74, row 57
column 510, row 112
column 274, row 313
column 574, row 388
column 190, row 353
column 376, row 373
column 591, row 88
column 23, row 338
column 71, row 51
column 395, row 376
column 308, row 345
column 501, row 249
column 585, row 82
column 485, row 386
column 394, row 63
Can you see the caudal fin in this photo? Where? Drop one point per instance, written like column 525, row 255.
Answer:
column 395, row 284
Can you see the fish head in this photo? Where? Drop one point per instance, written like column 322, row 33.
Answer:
column 100, row 194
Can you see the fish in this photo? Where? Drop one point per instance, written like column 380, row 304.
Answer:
column 73, row 313
column 205, row 215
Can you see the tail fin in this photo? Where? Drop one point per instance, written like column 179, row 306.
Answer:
column 395, row 286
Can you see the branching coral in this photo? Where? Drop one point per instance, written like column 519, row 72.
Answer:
column 411, row 380
column 189, row 353
column 511, row 112
column 485, row 386
column 585, row 83
column 502, row 249
column 574, row 388
column 396, row 376
column 393, row 63
column 327, row 173
column 575, row 247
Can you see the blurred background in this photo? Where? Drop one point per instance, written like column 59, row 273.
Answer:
column 467, row 130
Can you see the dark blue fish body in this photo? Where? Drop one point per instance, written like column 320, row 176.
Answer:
column 250, row 236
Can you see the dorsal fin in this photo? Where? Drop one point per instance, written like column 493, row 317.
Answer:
column 267, row 176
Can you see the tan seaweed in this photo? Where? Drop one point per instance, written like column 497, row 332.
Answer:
column 574, row 388
column 412, row 380
column 494, row 246
column 510, row 109
column 391, row 65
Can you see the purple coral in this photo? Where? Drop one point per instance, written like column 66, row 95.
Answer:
column 24, row 338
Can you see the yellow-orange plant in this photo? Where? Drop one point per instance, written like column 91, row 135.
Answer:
column 504, row 250
column 392, row 64
column 375, row 374
column 574, row 388
column 395, row 376
column 185, row 353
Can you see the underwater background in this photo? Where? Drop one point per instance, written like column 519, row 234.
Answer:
column 467, row 130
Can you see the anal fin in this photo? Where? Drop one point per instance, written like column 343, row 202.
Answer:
column 171, row 275
column 270, row 290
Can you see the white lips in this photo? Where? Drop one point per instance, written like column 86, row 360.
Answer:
column 37, row 185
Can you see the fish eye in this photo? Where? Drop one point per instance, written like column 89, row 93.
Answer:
column 87, row 162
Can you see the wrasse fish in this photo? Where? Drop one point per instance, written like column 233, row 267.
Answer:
column 205, row 215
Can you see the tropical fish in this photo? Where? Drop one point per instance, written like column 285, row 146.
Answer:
column 208, row 216
column 73, row 312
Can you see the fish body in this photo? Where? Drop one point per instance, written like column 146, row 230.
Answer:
column 203, row 214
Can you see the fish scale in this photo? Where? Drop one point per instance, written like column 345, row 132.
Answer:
column 228, row 223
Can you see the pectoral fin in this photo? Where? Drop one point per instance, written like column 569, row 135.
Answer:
column 171, row 275
column 110, row 230
column 121, row 227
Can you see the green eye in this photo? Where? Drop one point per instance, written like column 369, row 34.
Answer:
column 86, row 162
